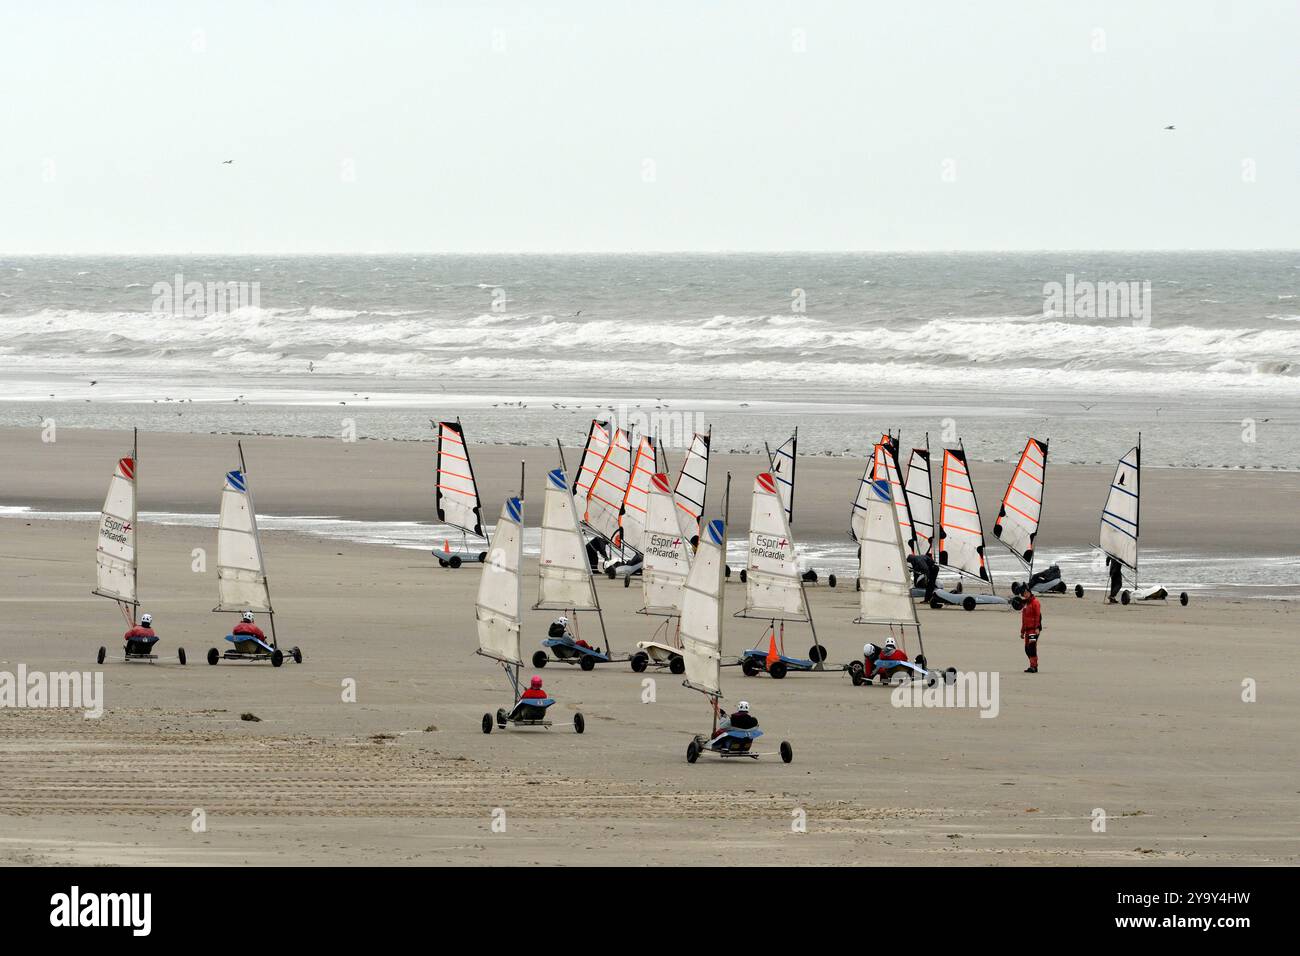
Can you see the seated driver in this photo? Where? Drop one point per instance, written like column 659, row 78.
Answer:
column 559, row 631
column 247, row 628
column 892, row 652
column 142, row 631
column 742, row 719
column 534, row 690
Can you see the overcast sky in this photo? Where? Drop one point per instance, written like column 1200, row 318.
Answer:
column 609, row 126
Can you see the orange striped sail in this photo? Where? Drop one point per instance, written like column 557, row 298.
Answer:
column 961, row 536
column 1022, row 505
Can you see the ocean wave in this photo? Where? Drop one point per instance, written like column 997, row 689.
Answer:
column 998, row 349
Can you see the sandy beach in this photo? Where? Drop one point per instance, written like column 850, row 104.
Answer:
column 1138, row 711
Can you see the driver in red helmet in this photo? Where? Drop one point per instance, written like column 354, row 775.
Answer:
column 534, row 690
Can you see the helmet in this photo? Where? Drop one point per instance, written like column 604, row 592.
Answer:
column 743, row 707
column 146, row 620
column 562, row 621
column 890, row 644
column 868, row 649
column 535, row 682
column 248, row 616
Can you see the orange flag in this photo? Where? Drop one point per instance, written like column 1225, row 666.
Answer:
column 772, row 655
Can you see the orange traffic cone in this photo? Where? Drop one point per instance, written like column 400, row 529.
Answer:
column 772, row 655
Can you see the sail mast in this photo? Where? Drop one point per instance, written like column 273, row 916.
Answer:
column 135, row 525
column 257, row 540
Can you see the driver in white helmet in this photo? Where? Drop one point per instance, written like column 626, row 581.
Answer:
column 742, row 719
column 892, row 652
column 248, row 628
column 559, row 631
column 142, row 631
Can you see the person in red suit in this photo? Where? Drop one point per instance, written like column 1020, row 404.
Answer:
column 142, row 631
column 1031, row 626
column 892, row 652
column 248, row 628
column 534, row 691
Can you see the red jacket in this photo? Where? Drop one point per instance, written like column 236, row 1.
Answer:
column 897, row 654
column 533, row 693
column 138, row 632
column 1031, row 617
column 252, row 630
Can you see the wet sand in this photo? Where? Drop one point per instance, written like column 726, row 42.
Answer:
column 1138, row 711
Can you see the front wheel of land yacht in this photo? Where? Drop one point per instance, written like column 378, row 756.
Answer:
column 1078, row 590
column 482, row 557
column 1182, row 599
column 936, row 604
column 579, row 723
column 442, row 562
column 968, row 603
column 640, row 661
column 587, row 663
column 692, row 752
column 727, row 571
column 99, row 658
column 539, row 659
column 1017, row 604
column 277, row 657
column 297, row 655
column 487, row 723
column 787, row 752
column 749, row 667
column 213, row 655
column 677, row 665
column 777, row 670
column 832, row 580
column 180, row 655
column 454, row 561
column 611, row 572
column 857, row 672
column 744, row 575
column 1124, row 597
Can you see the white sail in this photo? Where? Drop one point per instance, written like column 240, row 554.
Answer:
column 115, row 551
column 563, row 570
column 782, row 464
column 1119, row 518
column 881, row 465
column 773, row 587
column 593, row 455
column 692, row 486
column 702, row 606
column 884, row 595
column 605, row 498
column 457, row 492
column 961, row 535
column 241, row 576
column 920, row 499
column 636, row 501
column 499, row 609
column 1022, row 505
column 667, row 553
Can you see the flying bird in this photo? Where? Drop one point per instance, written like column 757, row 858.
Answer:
column 1169, row 127
column 229, row 161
